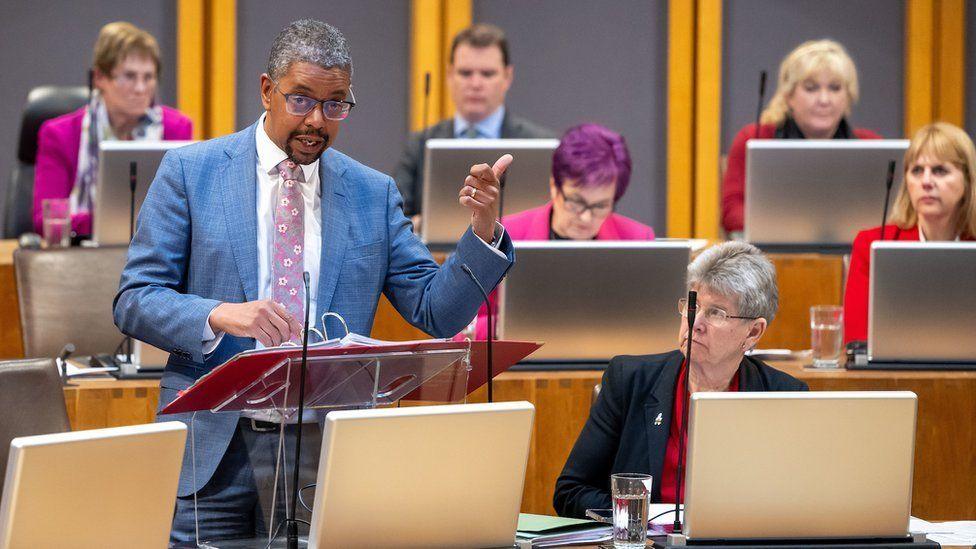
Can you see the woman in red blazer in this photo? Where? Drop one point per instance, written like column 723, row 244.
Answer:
column 124, row 77
column 937, row 202
column 590, row 173
column 816, row 88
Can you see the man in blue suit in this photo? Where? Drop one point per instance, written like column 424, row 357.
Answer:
column 210, row 268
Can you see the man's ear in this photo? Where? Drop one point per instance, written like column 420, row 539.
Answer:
column 267, row 89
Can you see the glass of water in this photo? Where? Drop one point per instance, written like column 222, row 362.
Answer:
column 826, row 335
column 631, row 506
column 56, row 221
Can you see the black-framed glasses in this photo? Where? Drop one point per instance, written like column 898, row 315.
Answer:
column 578, row 206
column 300, row 105
column 713, row 315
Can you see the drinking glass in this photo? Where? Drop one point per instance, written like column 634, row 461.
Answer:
column 56, row 222
column 631, row 507
column 826, row 335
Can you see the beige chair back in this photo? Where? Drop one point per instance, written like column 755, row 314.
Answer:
column 66, row 296
column 31, row 403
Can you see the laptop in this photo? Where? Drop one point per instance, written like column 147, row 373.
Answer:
column 922, row 305
column 448, row 161
column 591, row 301
column 113, row 196
column 425, row 476
column 816, row 193
column 107, row 488
column 802, row 465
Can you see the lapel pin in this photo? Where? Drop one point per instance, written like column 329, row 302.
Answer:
column 657, row 420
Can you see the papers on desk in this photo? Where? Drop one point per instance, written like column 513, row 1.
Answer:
column 961, row 532
column 537, row 531
column 77, row 368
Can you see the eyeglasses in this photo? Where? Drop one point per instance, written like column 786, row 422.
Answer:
column 131, row 79
column 713, row 315
column 300, row 105
column 578, row 206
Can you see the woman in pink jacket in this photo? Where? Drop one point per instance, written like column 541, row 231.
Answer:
column 590, row 173
column 123, row 106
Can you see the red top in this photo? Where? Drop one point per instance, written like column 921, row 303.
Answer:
column 856, row 293
column 666, row 482
column 734, row 184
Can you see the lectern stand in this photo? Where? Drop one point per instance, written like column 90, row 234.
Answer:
column 341, row 376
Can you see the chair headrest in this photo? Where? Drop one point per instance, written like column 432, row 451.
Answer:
column 44, row 103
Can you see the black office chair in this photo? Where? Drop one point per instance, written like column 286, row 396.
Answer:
column 43, row 103
column 31, row 403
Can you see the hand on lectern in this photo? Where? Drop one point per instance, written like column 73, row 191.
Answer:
column 264, row 320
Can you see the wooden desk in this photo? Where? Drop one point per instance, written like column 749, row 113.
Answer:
column 11, row 342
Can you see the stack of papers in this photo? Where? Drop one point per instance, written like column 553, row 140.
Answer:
column 537, row 531
column 962, row 532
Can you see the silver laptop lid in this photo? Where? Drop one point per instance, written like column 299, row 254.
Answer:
column 426, row 476
column 112, row 193
column 109, row 488
column 922, row 302
column 801, row 191
column 448, row 161
column 800, row 465
column 591, row 301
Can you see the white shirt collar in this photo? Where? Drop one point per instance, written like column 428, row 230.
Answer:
column 921, row 235
column 269, row 155
column 490, row 126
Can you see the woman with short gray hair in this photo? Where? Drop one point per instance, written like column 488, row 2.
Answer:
column 635, row 423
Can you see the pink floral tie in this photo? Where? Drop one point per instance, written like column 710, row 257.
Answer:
column 287, row 286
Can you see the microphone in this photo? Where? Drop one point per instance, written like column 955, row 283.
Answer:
column 292, row 539
column 888, row 182
column 762, row 96
column 691, row 311
column 62, row 361
column 132, row 199
column 490, row 364
column 418, row 183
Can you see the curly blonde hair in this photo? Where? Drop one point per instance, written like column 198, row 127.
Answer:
column 942, row 142
column 806, row 59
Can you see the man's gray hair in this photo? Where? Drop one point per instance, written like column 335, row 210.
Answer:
column 739, row 271
column 309, row 41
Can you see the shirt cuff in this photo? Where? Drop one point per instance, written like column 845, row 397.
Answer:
column 210, row 339
column 496, row 241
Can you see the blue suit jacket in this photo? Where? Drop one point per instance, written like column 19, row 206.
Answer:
column 195, row 246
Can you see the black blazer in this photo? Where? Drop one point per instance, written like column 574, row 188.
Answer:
column 621, row 436
column 409, row 175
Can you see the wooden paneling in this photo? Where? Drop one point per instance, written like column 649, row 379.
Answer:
column 11, row 342
column 804, row 280
column 94, row 404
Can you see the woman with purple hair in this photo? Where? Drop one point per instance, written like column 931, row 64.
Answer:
column 590, row 173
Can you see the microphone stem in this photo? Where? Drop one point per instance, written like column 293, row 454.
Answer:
column 292, row 528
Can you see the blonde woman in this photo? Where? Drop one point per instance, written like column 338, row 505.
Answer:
column 125, row 75
column 816, row 88
column 937, row 202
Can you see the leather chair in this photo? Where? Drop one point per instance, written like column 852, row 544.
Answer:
column 31, row 403
column 66, row 296
column 43, row 103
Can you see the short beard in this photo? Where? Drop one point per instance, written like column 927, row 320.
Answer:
column 290, row 152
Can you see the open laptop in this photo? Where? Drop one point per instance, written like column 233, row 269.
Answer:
column 448, row 161
column 922, row 305
column 802, row 465
column 426, row 476
column 816, row 193
column 113, row 194
column 108, row 488
column 591, row 301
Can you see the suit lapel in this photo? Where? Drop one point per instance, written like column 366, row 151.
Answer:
column 657, row 415
column 335, row 228
column 238, row 183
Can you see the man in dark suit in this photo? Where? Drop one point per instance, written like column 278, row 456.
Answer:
column 479, row 75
